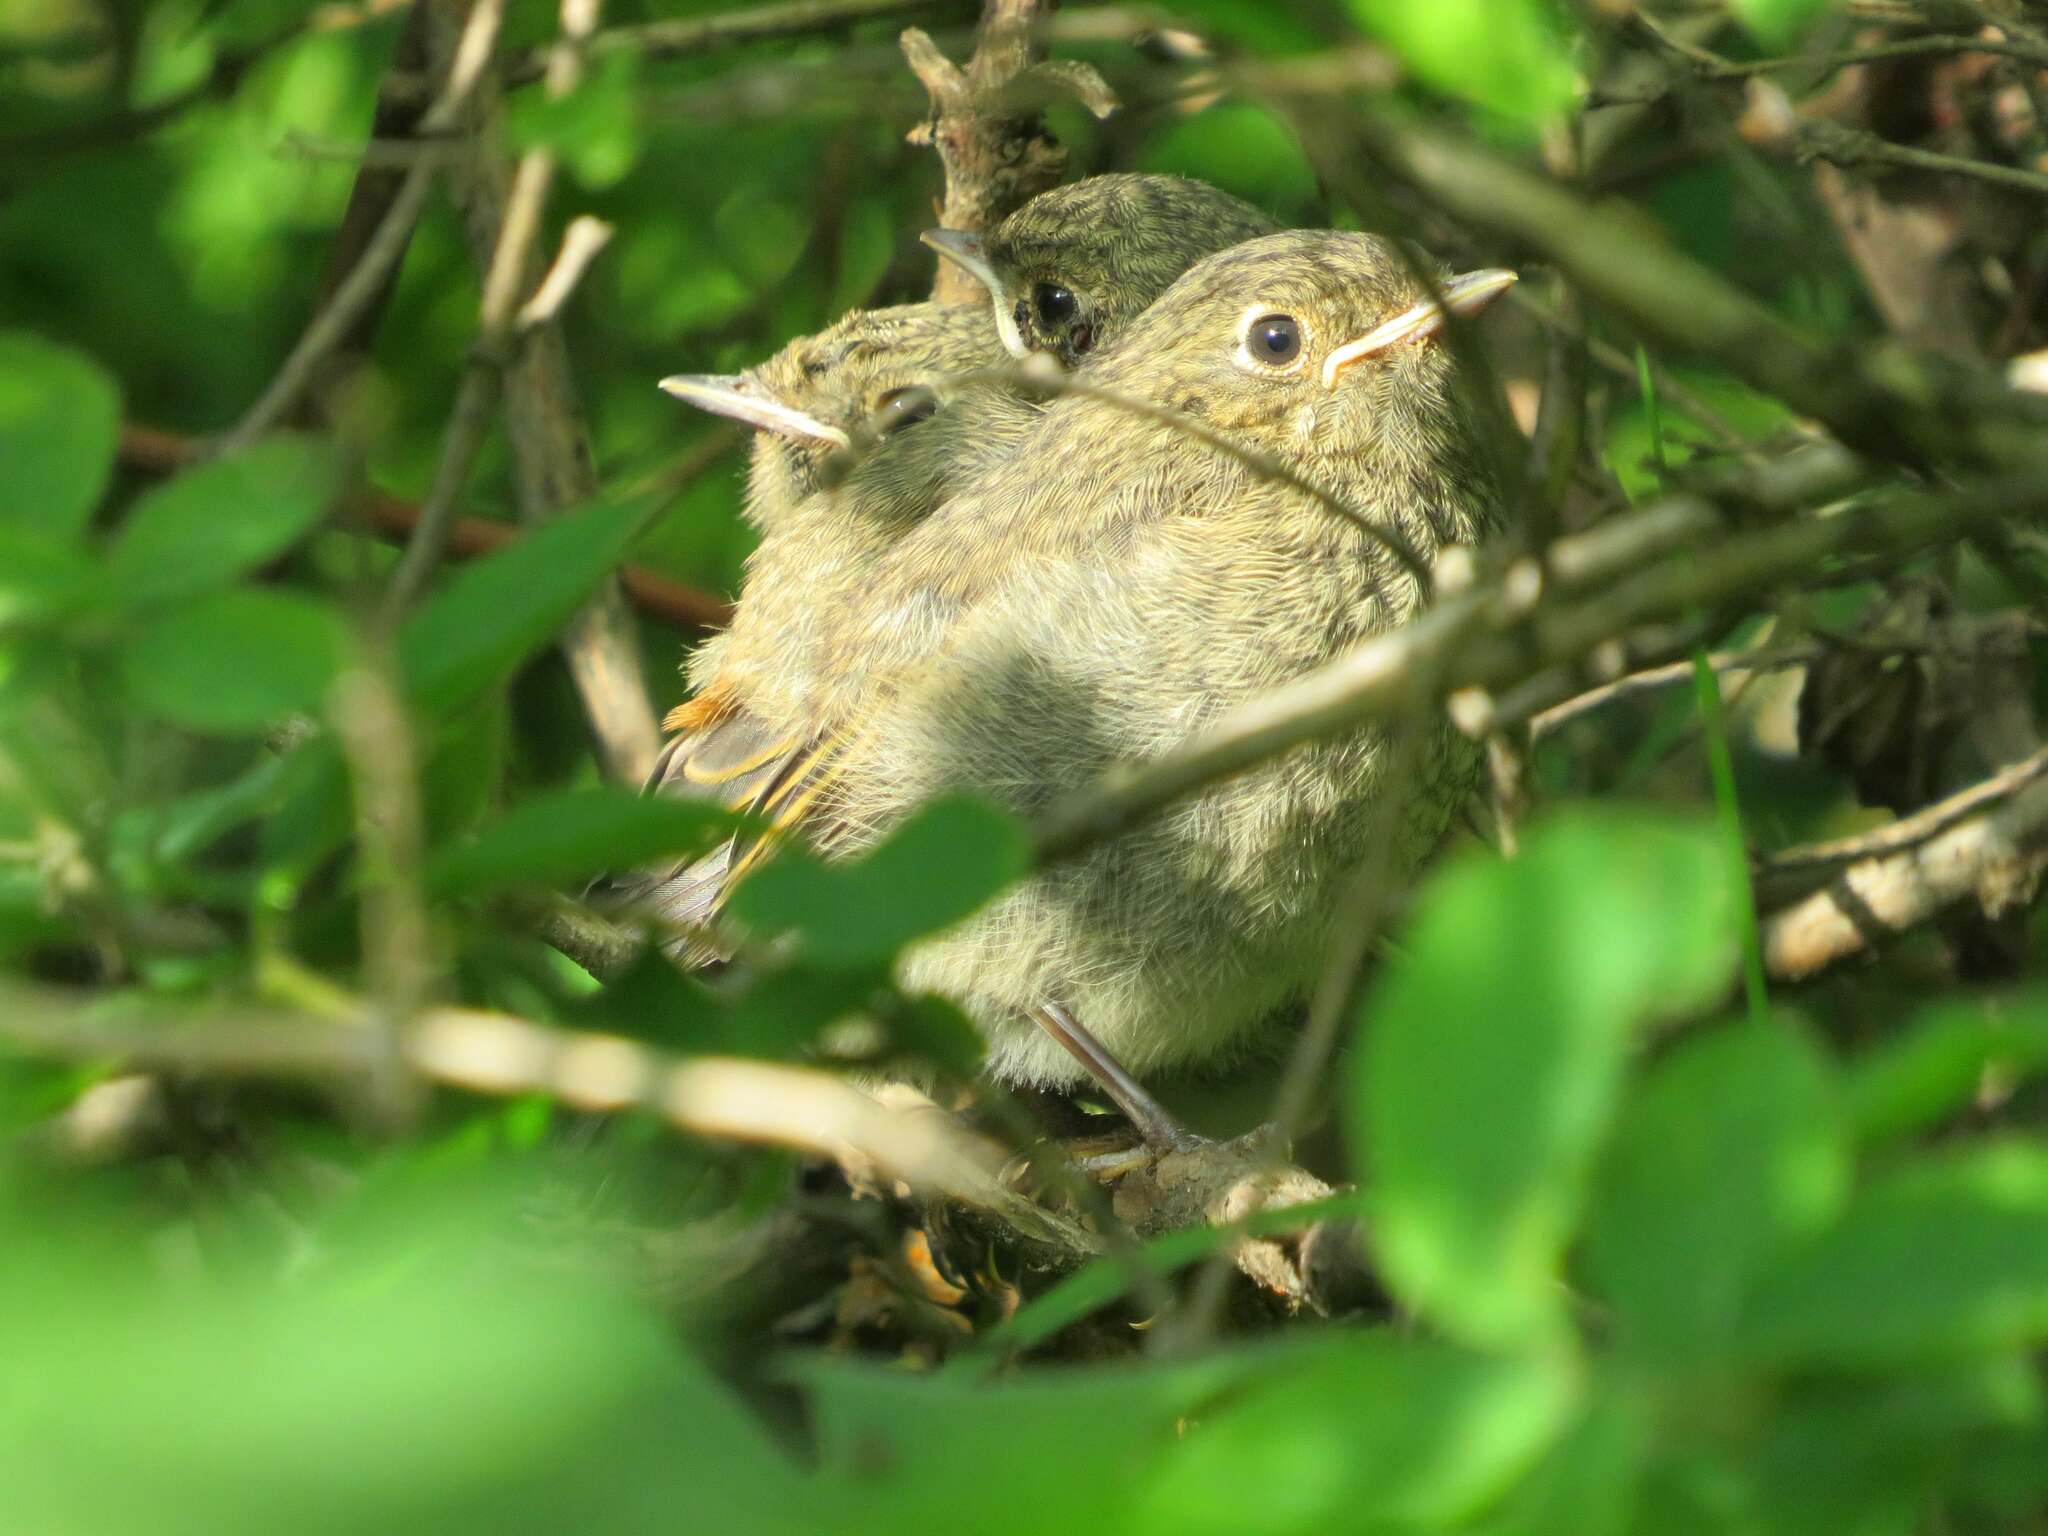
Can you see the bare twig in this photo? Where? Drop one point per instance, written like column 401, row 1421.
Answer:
column 997, row 154
column 550, row 439
column 794, row 18
column 1988, row 844
column 1656, row 679
column 1817, row 138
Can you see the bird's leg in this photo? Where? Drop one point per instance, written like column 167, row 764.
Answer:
column 1151, row 1119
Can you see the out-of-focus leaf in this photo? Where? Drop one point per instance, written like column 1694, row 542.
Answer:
column 60, row 417
column 1779, row 24
column 595, row 128
column 236, row 661
column 495, row 612
column 41, row 578
column 1914, row 1080
column 1512, row 56
column 940, row 866
column 1495, row 1045
column 1586, row 1485
column 1942, row 1258
column 1396, row 1431
column 464, row 762
column 332, row 1403
column 1242, row 148
column 1063, row 1451
column 576, row 834
column 1731, row 1151
column 220, row 519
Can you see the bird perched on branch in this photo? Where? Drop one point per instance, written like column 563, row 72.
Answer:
column 1075, row 265
column 1108, row 592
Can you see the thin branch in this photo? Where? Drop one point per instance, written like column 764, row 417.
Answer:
column 151, row 451
column 1839, row 144
column 1488, row 637
column 1657, row 679
column 549, row 437
column 366, row 279
column 796, row 18
column 1988, row 844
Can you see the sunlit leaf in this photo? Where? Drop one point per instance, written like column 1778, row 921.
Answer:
column 41, row 578
column 1508, row 55
column 1731, row 1151
column 60, row 417
column 576, row 834
column 235, row 662
column 1780, row 24
column 495, row 612
column 1494, row 1051
column 940, row 866
column 214, row 522
column 1399, row 1431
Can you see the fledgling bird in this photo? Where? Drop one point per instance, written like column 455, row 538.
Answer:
column 1075, row 265
column 1108, row 592
column 808, row 401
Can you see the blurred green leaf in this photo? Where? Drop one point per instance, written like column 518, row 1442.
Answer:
column 1780, row 24
column 1918, row 1078
column 1495, row 1045
column 41, row 578
column 1945, row 1257
column 575, row 834
column 235, row 662
column 1586, row 1486
column 1511, row 56
column 216, row 521
column 1048, row 1452
column 595, row 128
column 937, row 868
column 60, row 418
column 1399, row 1432
column 1731, row 1151
column 495, row 612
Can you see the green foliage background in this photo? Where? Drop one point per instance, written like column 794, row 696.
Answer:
column 1663, row 1266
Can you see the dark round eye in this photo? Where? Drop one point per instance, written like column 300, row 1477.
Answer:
column 1054, row 304
column 900, row 408
column 1274, row 339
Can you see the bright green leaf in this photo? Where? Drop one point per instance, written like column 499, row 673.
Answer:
column 60, row 418
column 235, row 662
column 1780, row 24
column 1512, row 56
column 41, row 578
column 223, row 518
column 1731, row 1151
column 576, row 834
column 497, row 611
column 1495, row 1046
column 1943, row 1258
column 939, row 867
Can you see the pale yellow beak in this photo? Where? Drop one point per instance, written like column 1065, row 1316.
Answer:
column 735, row 395
column 1463, row 295
column 969, row 252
